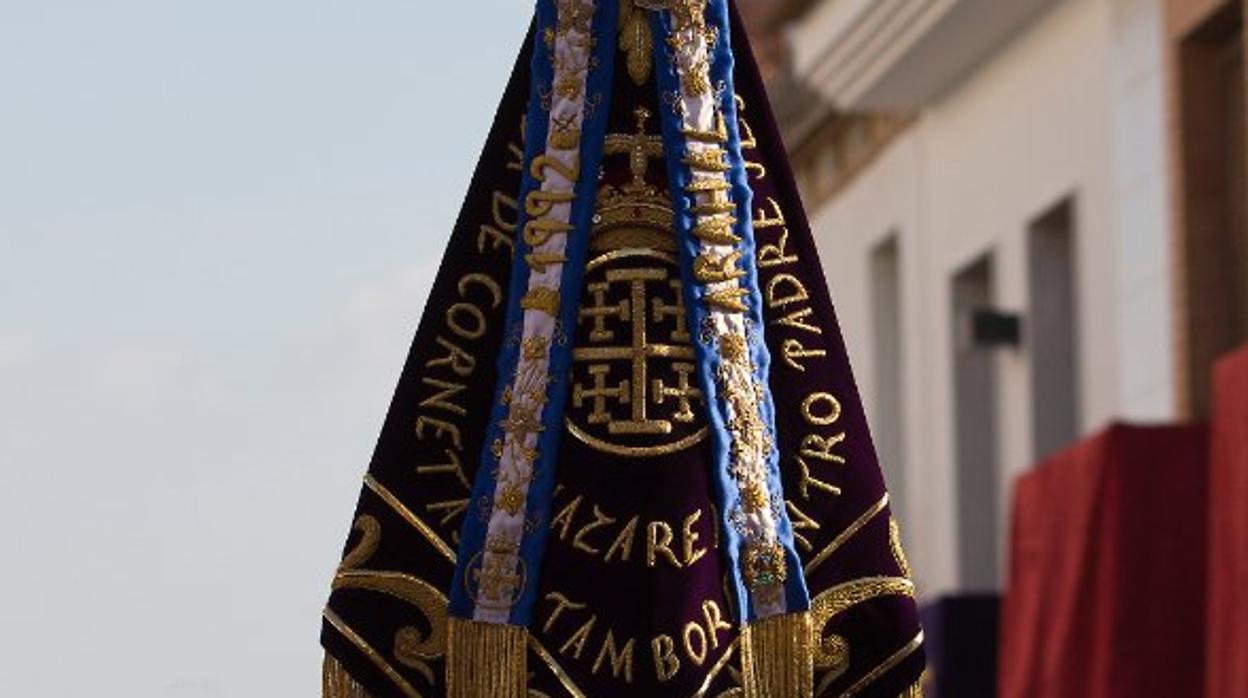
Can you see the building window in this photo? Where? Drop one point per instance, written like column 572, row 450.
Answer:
column 888, row 348
column 1052, row 330
column 975, row 416
column 1213, row 241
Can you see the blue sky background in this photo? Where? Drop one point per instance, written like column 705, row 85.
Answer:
column 218, row 223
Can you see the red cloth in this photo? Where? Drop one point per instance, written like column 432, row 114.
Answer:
column 1228, row 534
column 1107, row 570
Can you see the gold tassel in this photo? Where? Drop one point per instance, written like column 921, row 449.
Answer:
column 337, row 683
column 486, row 660
column 777, row 659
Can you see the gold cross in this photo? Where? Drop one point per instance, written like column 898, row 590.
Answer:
column 638, row 353
column 684, row 392
column 662, row 309
column 600, row 311
column 639, row 148
column 599, row 393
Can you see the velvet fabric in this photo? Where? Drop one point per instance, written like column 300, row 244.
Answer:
column 632, row 599
column 1228, row 531
column 1106, row 592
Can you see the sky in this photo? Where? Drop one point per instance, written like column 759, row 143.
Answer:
column 218, row 225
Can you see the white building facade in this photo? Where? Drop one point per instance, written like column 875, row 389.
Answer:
column 998, row 245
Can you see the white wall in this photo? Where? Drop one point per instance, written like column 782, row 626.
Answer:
column 1070, row 107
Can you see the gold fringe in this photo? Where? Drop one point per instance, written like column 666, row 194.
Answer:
column 486, row 660
column 777, row 659
column 915, row 691
column 337, row 683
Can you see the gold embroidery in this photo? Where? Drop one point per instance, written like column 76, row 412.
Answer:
column 718, row 230
column 748, row 140
column 443, row 396
column 565, row 137
column 563, row 603
column 621, row 660
column 600, row 520
column 659, row 536
column 454, row 320
column 543, row 299
column 388, row 497
column 762, row 220
column 710, row 268
column 717, row 136
column 510, row 498
column 713, row 207
column 801, row 522
column 897, row 658
column 337, row 683
column 729, row 300
column 691, row 553
column 899, row 553
column 691, row 630
column 832, row 414
column 848, row 533
column 842, row 597
column 496, row 576
column 370, row 538
column 706, row 185
column 636, row 390
column 636, row 41
column 793, row 351
column 636, row 451
column 579, row 638
column 797, row 291
column 831, row 657
column 371, row 654
column 412, row 648
column 555, row 668
column 832, row 652
column 714, row 672
column 459, row 361
column 808, row 480
column 541, row 261
column 666, row 663
column 710, row 159
column 623, row 543
column 635, row 214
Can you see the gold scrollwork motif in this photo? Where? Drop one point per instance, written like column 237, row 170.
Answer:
column 413, row 647
column 370, row 538
column 832, row 652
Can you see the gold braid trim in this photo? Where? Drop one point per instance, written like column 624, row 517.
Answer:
column 337, row 683
column 915, row 691
column 777, row 657
column 486, row 659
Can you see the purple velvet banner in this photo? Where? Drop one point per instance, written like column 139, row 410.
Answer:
column 632, row 596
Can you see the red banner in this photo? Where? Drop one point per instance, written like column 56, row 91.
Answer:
column 1228, row 534
column 1107, row 573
